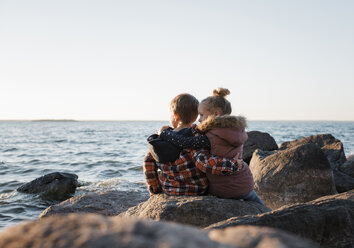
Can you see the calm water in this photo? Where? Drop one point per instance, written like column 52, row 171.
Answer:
column 105, row 155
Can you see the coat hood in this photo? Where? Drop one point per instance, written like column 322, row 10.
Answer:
column 229, row 121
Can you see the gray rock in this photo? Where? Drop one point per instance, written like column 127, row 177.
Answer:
column 107, row 203
column 95, row 231
column 348, row 167
column 199, row 211
column 253, row 236
column 331, row 147
column 258, row 140
column 53, row 186
column 328, row 220
column 294, row 175
column 342, row 181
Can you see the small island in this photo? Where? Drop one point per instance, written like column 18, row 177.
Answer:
column 54, row 120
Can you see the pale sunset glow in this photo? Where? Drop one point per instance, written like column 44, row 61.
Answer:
column 125, row 60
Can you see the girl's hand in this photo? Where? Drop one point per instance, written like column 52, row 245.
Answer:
column 162, row 128
column 239, row 161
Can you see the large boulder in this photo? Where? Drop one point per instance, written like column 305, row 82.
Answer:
column 255, row 236
column 93, row 231
column 294, row 175
column 53, row 186
column 328, row 220
column 348, row 167
column 199, row 211
column 331, row 147
column 258, row 140
column 107, row 203
column 342, row 181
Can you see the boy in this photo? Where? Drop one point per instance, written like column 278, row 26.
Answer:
column 186, row 175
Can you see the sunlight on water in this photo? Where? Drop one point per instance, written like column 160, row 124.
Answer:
column 7, row 195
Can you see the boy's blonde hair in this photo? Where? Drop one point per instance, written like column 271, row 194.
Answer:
column 218, row 101
column 186, row 106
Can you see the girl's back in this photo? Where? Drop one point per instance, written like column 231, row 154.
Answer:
column 227, row 135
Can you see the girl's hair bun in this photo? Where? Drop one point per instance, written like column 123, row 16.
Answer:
column 222, row 92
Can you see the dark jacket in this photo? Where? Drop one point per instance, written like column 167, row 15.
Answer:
column 163, row 151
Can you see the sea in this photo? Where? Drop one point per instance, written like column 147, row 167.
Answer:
column 106, row 155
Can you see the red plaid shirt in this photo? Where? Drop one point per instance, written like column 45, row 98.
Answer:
column 186, row 175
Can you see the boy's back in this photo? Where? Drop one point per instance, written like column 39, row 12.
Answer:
column 180, row 177
column 163, row 151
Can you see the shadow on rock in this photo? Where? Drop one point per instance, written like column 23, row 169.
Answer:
column 258, row 140
column 328, row 220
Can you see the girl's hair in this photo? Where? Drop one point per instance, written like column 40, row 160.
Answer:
column 218, row 101
column 186, row 106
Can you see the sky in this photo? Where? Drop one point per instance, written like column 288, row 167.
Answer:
column 125, row 60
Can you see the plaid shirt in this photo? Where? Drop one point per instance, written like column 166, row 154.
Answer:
column 186, row 175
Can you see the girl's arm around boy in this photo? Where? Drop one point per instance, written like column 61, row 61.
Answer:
column 214, row 164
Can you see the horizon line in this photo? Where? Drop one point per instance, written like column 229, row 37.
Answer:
column 127, row 120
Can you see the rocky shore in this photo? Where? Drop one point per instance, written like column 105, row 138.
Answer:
column 307, row 185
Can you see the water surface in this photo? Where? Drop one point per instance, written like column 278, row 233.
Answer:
column 105, row 155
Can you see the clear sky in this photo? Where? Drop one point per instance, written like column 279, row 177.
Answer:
column 125, row 60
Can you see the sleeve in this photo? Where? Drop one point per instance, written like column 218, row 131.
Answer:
column 214, row 164
column 183, row 142
column 151, row 174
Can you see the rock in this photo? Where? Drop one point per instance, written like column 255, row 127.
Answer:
column 342, row 181
column 331, row 147
column 254, row 236
column 258, row 140
column 199, row 211
column 107, row 203
column 348, row 167
column 93, row 231
column 294, row 175
column 328, row 220
column 53, row 186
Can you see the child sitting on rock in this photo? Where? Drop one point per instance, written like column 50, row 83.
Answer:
column 186, row 175
column 224, row 135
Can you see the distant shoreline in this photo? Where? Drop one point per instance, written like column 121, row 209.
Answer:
column 41, row 120
column 53, row 120
column 73, row 120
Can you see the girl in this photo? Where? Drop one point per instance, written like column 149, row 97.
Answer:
column 224, row 135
